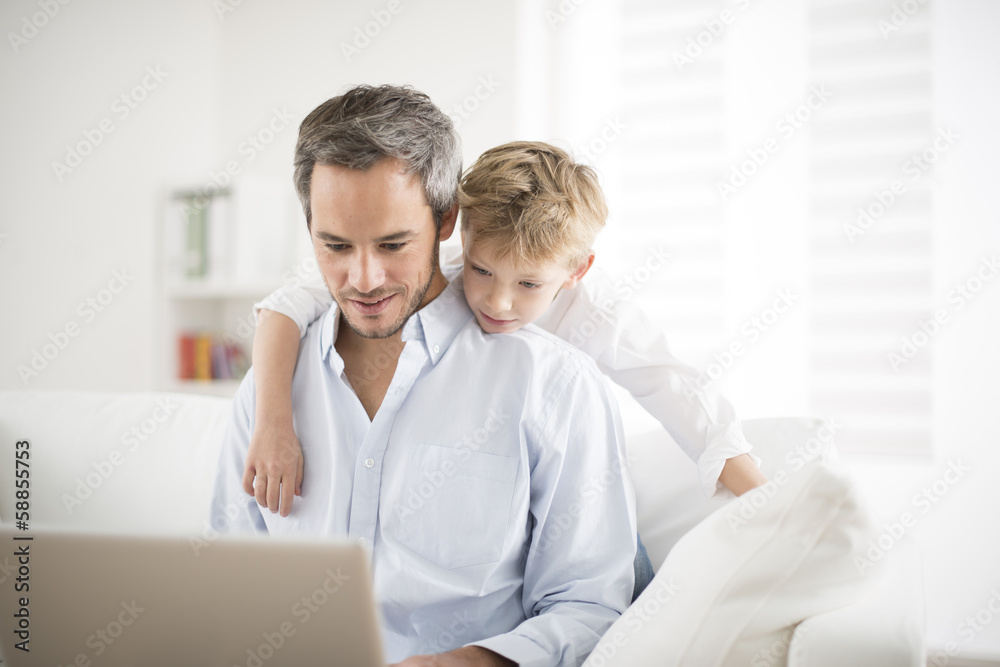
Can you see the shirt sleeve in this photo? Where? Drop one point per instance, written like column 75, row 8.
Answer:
column 634, row 354
column 232, row 509
column 578, row 574
column 302, row 302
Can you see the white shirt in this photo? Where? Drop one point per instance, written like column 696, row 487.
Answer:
column 628, row 348
column 490, row 485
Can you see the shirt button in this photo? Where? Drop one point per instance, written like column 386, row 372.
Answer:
column 369, row 462
column 436, row 349
column 362, row 541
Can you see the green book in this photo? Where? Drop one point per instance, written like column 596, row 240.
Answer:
column 196, row 234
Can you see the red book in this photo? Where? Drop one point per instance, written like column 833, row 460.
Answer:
column 186, row 370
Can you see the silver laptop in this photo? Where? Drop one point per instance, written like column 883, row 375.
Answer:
column 120, row 600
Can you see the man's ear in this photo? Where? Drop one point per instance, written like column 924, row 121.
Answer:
column 448, row 223
column 579, row 272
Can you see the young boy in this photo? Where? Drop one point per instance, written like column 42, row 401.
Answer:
column 529, row 218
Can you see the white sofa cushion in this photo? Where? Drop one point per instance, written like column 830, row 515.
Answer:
column 894, row 604
column 669, row 499
column 115, row 462
column 741, row 578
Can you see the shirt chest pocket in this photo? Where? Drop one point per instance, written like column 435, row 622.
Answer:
column 456, row 504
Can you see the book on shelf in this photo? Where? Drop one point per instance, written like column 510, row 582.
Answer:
column 198, row 236
column 202, row 357
column 204, row 243
column 208, row 356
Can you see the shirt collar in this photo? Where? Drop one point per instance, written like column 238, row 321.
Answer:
column 436, row 324
column 329, row 327
column 442, row 319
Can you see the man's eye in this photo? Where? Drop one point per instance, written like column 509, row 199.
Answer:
column 531, row 285
column 337, row 247
column 393, row 246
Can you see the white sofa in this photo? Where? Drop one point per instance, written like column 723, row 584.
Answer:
column 142, row 462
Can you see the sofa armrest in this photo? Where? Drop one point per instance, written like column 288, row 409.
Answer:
column 132, row 462
column 884, row 629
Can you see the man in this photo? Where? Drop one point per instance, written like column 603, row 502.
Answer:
column 485, row 472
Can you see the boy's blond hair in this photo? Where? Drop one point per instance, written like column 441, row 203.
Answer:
column 530, row 201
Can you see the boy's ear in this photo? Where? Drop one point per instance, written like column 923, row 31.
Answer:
column 448, row 223
column 579, row 272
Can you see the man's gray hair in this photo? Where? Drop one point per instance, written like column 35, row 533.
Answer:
column 368, row 124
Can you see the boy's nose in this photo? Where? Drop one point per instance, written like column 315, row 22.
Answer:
column 499, row 302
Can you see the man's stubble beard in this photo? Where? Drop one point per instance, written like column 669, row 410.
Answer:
column 411, row 307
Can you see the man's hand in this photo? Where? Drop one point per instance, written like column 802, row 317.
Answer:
column 275, row 460
column 467, row 656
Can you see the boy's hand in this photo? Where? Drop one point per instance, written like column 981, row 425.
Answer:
column 275, row 460
column 740, row 474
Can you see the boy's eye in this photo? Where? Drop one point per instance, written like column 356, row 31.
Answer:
column 393, row 246
column 480, row 271
column 531, row 285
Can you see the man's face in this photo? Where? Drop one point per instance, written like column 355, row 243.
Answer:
column 374, row 237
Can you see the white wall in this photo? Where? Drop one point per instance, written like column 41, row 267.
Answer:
column 295, row 59
column 65, row 239
column 225, row 74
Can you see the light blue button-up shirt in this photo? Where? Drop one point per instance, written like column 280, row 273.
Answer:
column 490, row 486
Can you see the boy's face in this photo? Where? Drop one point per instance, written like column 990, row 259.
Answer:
column 504, row 296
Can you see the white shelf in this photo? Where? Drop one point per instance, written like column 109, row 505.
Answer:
column 218, row 290
column 225, row 388
column 251, row 238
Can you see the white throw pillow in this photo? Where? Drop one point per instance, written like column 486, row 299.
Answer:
column 669, row 498
column 733, row 587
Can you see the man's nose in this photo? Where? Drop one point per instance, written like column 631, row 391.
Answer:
column 367, row 272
